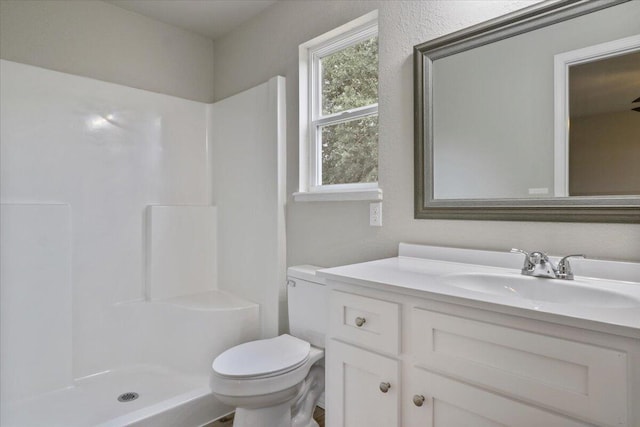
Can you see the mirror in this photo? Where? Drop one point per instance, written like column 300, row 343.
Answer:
column 598, row 154
column 531, row 116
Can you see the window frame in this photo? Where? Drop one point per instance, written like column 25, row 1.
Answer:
column 312, row 120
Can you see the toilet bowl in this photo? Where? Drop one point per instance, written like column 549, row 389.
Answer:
column 277, row 382
column 271, row 382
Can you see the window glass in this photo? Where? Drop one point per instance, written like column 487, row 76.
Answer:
column 339, row 111
column 350, row 151
column 349, row 77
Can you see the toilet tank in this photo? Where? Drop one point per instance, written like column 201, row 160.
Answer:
column 307, row 303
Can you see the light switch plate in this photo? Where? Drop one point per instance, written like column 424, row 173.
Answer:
column 375, row 214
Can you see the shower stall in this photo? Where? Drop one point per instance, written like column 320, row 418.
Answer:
column 131, row 250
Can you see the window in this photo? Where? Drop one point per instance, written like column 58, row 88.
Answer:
column 339, row 113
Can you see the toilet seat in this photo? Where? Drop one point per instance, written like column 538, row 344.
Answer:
column 262, row 358
column 242, row 389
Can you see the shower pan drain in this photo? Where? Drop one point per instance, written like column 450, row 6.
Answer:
column 128, row 397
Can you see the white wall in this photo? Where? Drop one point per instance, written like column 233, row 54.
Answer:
column 109, row 244
column 333, row 233
column 106, row 151
column 248, row 165
column 152, row 152
column 35, row 299
column 95, row 39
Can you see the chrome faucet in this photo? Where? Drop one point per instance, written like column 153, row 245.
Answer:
column 538, row 264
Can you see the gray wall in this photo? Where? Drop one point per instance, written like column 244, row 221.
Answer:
column 98, row 40
column 332, row 233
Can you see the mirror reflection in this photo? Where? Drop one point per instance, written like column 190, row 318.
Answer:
column 604, row 126
column 493, row 115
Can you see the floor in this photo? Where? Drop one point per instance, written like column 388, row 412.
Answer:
column 318, row 415
column 227, row 421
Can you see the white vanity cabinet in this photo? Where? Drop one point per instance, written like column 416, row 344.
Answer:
column 450, row 403
column 449, row 364
column 362, row 365
column 364, row 387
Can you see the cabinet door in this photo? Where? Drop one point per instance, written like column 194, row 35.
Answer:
column 357, row 387
column 575, row 378
column 450, row 403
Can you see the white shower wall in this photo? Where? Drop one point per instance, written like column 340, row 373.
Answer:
column 99, row 177
column 36, row 256
column 107, row 151
column 249, row 179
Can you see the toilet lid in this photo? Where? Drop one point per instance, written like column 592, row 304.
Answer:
column 262, row 357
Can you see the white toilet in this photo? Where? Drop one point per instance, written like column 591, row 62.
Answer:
column 277, row 382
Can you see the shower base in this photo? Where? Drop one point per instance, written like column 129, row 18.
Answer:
column 165, row 399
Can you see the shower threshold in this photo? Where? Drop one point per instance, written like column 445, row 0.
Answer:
column 149, row 396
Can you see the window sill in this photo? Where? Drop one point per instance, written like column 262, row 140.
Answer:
column 338, row 196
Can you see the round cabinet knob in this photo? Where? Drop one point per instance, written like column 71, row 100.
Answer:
column 418, row 399
column 384, row 387
column 360, row 321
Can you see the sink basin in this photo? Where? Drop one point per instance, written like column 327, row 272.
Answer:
column 537, row 289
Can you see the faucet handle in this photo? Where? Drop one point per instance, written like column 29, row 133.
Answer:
column 538, row 257
column 565, row 259
column 564, row 268
column 528, row 266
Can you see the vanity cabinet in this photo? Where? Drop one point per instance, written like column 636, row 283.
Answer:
column 362, row 365
column 450, row 403
column 449, row 365
column 364, row 387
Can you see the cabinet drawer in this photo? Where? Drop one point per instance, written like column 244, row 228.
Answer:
column 451, row 403
column 368, row 322
column 578, row 379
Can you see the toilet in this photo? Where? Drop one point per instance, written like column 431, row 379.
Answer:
column 277, row 382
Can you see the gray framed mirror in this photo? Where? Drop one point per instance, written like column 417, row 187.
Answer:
column 513, row 120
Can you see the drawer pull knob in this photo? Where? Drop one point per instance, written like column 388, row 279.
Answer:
column 360, row 321
column 384, row 387
column 418, row 399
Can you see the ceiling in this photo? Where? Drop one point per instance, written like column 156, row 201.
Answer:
column 210, row 18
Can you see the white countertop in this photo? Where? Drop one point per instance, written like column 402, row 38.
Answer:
column 426, row 277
